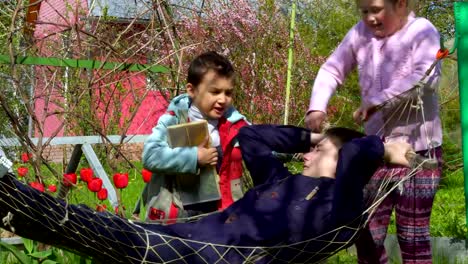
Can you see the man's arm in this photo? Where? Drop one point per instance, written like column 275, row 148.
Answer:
column 358, row 161
column 257, row 143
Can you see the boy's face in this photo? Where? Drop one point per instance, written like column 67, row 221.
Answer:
column 213, row 95
column 382, row 17
column 321, row 160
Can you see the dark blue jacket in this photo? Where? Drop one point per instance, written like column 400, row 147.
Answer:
column 276, row 211
column 274, row 222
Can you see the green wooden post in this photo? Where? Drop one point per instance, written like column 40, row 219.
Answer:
column 290, row 61
column 461, row 25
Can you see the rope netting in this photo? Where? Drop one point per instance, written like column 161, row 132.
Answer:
column 108, row 237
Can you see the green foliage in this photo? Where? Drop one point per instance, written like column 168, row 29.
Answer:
column 12, row 98
column 323, row 24
column 448, row 212
column 19, row 255
column 35, row 253
column 343, row 257
column 440, row 13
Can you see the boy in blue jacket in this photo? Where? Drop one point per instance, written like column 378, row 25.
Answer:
column 210, row 87
column 286, row 218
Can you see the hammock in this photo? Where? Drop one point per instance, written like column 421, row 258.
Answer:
column 107, row 237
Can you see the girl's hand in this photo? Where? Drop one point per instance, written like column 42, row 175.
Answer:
column 314, row 120
column 359, row 115
column 363, row 113
column 315, row 138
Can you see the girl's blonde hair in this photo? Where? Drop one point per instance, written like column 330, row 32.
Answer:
column 410, row 4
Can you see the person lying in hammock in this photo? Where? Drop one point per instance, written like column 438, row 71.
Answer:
column 284, row 218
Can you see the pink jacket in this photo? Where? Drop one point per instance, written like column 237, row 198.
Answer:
column 387, row 67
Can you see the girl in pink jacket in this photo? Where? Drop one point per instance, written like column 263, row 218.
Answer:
column 392, row 49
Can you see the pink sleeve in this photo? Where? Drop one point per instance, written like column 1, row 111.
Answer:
column 333, row 72
column 426, row 43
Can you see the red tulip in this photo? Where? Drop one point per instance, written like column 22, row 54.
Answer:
column 25, row 157
column 69, row 179
column 101, row 207
column 102, row 194
column 95, row 184
column 146, row 175
column 22, row 171
column 86, row 174
column 121, row 180
column 52, row 188
column 37, row 185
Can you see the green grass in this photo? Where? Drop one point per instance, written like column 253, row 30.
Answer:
column 448, row 212
column 50, row 256
column 349, row 256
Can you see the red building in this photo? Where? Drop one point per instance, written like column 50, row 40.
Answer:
column 120, row 102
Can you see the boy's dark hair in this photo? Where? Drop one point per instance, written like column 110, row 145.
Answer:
column 208, row 61
column 342, row 134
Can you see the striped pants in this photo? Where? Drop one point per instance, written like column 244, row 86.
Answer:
column 412, row 201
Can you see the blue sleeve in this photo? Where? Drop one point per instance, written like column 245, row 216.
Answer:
column 159, row 157
column 358, row 160
column 257, row 143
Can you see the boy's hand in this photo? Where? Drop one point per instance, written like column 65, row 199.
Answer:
column 395, row 153
column 314, row 120
column 205, row 155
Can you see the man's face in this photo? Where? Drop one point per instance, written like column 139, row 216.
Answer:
column 321, row 160
column 382, row 17
column 213, row 95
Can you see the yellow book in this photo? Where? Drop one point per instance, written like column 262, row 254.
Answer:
column 201, row 187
